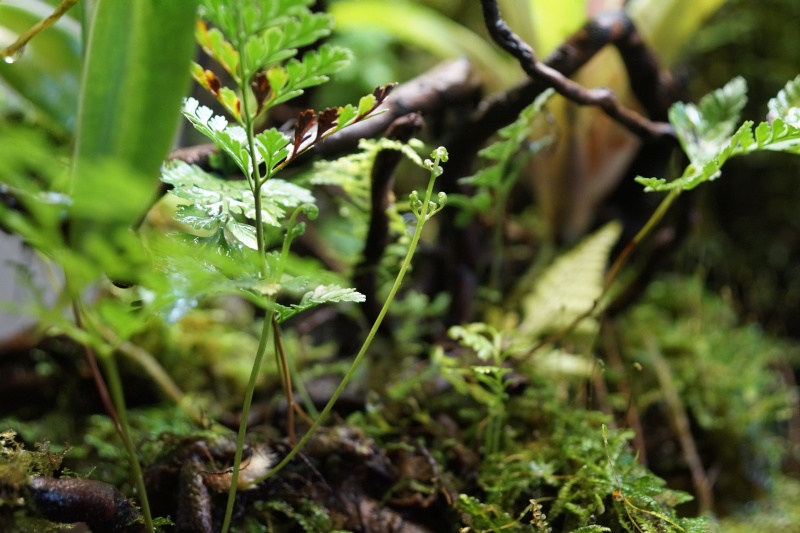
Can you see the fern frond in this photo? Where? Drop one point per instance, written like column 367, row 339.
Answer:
column 705, row 132
column 570, row 287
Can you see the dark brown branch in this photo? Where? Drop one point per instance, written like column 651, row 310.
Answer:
column 445, row 85
column 554, row 77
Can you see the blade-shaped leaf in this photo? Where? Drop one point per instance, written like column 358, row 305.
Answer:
column 133, row 82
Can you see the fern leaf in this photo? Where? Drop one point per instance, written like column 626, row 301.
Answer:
column 279, row 43
column 706, row 128
column 215, row 45
column 479, row 337
column 570, row 286
column 215, row 202
column 313, row 69
column 705, row 132
column 786, row 105
column 232, row 140
column 320, row 295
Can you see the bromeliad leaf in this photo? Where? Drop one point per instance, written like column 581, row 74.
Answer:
column 216, row 203
column 320, row 295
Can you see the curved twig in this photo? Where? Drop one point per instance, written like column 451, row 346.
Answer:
column 600, row 97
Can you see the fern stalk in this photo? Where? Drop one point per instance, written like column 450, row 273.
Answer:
column 264, row 339
column 115, row 386
column 427, row 209
column 651, row 223
column 120, row 414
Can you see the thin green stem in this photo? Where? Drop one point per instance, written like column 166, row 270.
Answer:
column 364, row 347
column 286, row 379
column 115, row 386
column 651, row 223
column 119, row 412
column 266, row 328
column 263, row 342
column 256, row 185
column 15, row 48
column 308, row 403
column 613, row 272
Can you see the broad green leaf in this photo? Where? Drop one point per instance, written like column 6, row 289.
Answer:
column 135, row 75
column 570, row 286
column 198, row 218
column 190, row 270
column 243, row 233
column 48, row 72
column 320, row 295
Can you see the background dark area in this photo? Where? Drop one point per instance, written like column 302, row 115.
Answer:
column 748, row 235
